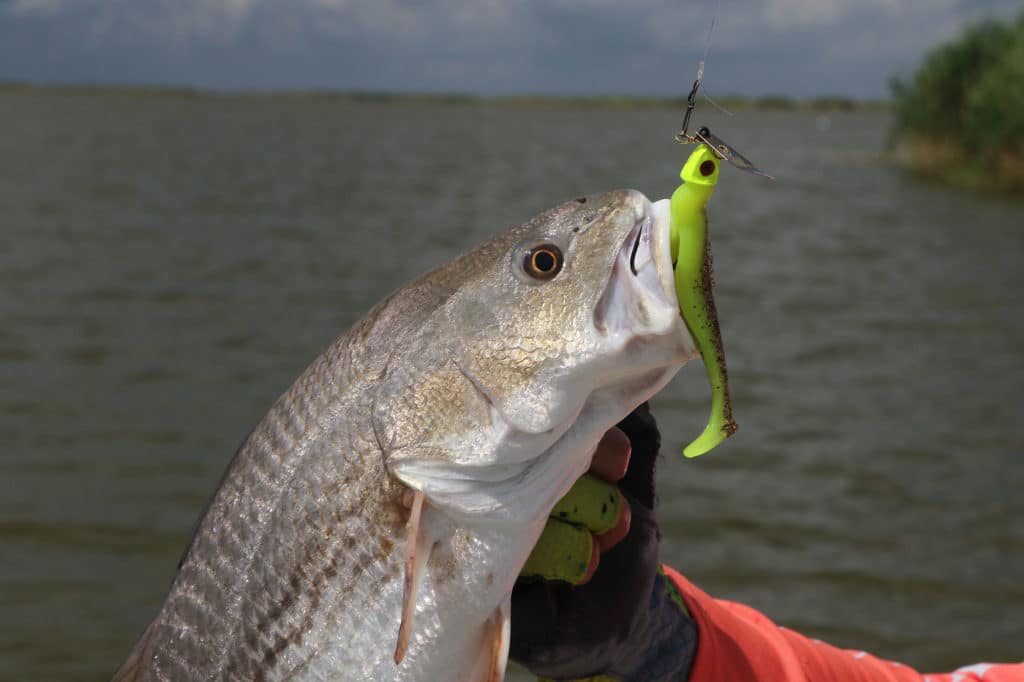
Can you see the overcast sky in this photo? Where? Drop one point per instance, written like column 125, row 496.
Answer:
column 792, row 47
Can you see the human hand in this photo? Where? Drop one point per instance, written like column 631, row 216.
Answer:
column 616, row 616
column 592, row 518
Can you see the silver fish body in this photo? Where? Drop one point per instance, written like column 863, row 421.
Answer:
column 479, row 386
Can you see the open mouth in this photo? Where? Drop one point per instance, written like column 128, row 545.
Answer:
column 641, row 289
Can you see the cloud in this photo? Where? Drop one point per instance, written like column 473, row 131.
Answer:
column 645, row 46
column 35, row 6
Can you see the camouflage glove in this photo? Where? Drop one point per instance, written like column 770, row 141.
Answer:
column 592, row 517
column 626, row 622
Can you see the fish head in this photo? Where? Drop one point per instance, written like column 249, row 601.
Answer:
column 542, row 339
column 582, row 297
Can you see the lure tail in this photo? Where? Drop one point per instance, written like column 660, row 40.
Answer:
column 694, row 283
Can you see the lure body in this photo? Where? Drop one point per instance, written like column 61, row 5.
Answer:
column 691, row 251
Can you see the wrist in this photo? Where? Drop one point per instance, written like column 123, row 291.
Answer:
column 667, row 644
column 662, row 648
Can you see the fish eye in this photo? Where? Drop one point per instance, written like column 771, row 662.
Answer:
column 543, row 261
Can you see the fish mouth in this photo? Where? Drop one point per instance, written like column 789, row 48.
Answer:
column 640, row 295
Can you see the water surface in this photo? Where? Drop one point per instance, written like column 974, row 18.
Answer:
column 170, row 264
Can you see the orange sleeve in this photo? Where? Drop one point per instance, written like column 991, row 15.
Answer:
column 739, row 644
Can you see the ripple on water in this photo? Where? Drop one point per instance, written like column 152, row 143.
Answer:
column 86, row 355
column 124, row 540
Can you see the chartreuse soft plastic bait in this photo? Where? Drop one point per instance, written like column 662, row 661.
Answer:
column 565, row 547
column 692, row 255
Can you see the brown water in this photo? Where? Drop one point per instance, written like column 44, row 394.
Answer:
column 169, row 264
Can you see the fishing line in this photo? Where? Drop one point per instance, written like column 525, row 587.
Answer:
column 719, row 147
column 691, row 99
column 700, row 70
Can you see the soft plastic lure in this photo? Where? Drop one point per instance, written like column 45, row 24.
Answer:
column 691, row 252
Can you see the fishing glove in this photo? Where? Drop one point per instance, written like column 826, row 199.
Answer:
column 627, row 622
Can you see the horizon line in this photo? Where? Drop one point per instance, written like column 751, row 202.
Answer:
column 769, row 100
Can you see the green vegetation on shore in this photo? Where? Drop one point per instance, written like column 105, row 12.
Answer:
column 961, row 117
column 770, row 102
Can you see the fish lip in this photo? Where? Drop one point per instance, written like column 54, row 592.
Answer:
column 655, row 221
column 639, row 296
column 661, row 229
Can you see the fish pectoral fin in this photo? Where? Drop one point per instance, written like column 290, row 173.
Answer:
column 493, row 656
column 501, row 640
column 417, row 554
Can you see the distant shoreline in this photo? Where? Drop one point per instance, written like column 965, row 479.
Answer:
column 769, row 102
column 950, row 161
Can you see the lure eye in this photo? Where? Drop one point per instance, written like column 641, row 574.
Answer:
column 543, row 261
column 707, row 168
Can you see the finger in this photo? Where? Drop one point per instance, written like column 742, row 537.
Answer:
column 563, row 552
column 591, row 503
column 595, row 560
column 611, row 459
column 614, row 536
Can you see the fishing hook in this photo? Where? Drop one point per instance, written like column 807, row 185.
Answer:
column 636, row 247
